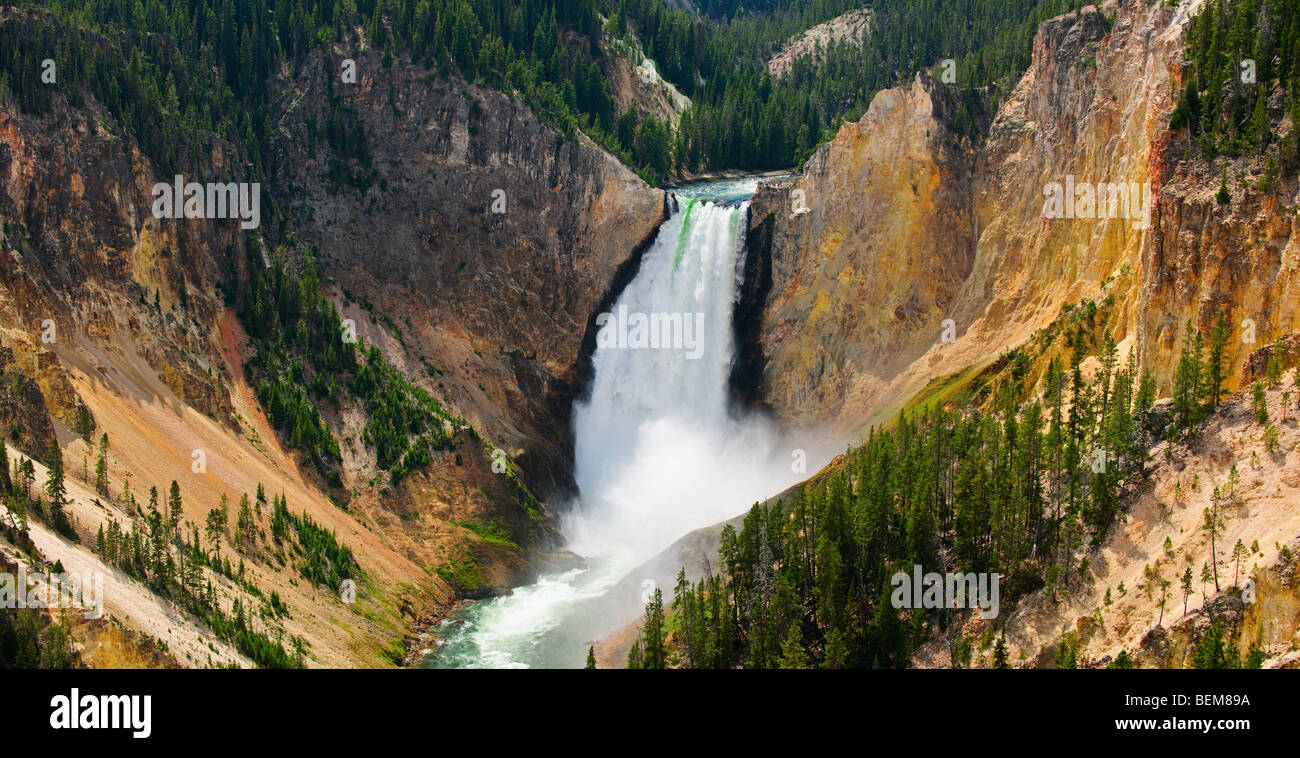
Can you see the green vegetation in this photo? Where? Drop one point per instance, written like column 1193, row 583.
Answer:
column 403, row 422
column 154, row 549
column 549, row 51
column 287, row 317
column 1199, row 378
column 463, row 573
column 57, row 491
column 495, row 532
column 1215, row 650
column 302, row 358
column 31, row 639
column 1241, row 53
column 323, row 560
column 1021, row 488
column 742, row 118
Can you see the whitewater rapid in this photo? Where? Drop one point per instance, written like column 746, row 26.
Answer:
column 659, row 451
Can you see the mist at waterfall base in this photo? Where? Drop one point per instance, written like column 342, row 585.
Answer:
column 659, row 452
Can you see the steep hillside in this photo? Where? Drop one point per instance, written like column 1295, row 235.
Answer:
column 1094, row 107
column 137, row 339
column 637, row 86
column 813, row 43
column 482, row 241
column 189, row 354
column 1117, row 606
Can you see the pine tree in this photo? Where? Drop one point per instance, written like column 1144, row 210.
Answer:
column 793, row 655
column 54, row 484
column 635, row 660
column 245, row 525
column 591, row 658
column 101, row 467
column 1238, row 552
column 55, row 488
column 1219, row 372
column 1259, row 403
column 1212, row 524
column 652, row 634
column 1213, row 651
column 836, row 651
column 1188, row 380
column 175, row 510
column 27, row 473
column 216, row 526
column 1000, row 653
column 1146, row 396
column 85, row 423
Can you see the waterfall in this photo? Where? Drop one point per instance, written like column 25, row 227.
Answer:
column 657, row 451
column 647, row 438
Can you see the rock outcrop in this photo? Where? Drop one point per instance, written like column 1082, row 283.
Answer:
column 907, row 227
column 868, row 250
column 485, row 237
column 848, row 28
column 113, row 319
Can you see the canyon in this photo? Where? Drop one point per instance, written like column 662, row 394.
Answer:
column 476, row 245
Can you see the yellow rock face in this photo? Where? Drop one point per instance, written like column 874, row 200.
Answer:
column 909, row 225
column 863, row 276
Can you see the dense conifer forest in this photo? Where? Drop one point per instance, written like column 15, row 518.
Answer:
column 1023, row 489
column 178, row 68
column 1241, row 79
column 173, row 72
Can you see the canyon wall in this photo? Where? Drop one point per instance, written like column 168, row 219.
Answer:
column 115, row 322
column 487, row 239
column 868, row 250
column 907, row 226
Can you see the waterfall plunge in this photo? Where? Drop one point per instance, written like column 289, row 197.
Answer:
column 657, row 452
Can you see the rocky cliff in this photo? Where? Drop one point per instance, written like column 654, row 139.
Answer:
column 113, row 322
column 868, row 250
column 484, row 238
column 906, row 227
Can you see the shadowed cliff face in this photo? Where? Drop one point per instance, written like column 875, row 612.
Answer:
column 906, row 228
column 486, row 311
column 487, row 239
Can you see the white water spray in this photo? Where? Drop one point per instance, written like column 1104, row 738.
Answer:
column 657, row 452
